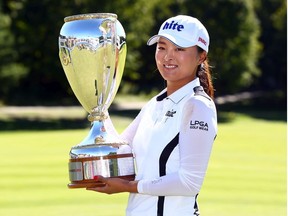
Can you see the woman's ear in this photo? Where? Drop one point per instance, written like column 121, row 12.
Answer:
column 202, row 57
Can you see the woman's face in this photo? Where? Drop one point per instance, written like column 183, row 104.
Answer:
column 177, row 65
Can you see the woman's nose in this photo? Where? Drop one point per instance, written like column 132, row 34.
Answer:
column 169, row 55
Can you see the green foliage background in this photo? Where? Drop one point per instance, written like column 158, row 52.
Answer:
column 247, row 52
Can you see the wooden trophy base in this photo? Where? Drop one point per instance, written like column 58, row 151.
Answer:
column 93, row 183
column 85, row 185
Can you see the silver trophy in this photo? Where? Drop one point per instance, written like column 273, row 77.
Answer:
column 92, row 50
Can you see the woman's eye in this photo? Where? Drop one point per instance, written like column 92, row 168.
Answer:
column 180, row 49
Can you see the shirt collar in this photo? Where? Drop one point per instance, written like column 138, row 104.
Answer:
column 180, row 93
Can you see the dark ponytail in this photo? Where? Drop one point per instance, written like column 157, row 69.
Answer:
column 204, row 74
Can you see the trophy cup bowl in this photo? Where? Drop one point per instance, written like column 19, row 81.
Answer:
column 92, row 51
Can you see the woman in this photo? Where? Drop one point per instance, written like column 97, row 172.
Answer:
column 172, row 136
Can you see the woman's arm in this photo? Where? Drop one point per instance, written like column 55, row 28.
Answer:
column 197, row 132
column 115, row 185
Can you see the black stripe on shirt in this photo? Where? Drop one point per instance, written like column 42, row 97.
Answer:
column 162, row 169
column 162, row 96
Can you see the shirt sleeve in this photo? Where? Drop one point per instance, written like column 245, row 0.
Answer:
column 197, row 133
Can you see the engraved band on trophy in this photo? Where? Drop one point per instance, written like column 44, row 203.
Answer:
column 92, row 51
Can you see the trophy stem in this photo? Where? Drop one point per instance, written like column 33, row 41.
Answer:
column 97, row 115
column 97, row 135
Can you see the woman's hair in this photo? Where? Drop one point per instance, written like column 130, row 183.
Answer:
column 204, row 74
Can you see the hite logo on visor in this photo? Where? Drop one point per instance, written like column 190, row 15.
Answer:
column 173, row 26
column 198, row 125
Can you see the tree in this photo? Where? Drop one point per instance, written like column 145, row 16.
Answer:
column 11, row 71
column 30, row 70
column 273, row 59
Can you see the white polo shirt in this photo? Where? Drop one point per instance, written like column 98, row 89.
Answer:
column 171, row 138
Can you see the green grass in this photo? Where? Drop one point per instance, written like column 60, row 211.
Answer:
column 247, row 171
column 246, row 174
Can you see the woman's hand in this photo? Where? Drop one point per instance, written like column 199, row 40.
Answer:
column 114, row 185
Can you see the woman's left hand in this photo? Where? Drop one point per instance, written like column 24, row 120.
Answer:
column 114, row 185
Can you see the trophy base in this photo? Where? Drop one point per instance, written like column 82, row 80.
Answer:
column 85, row 185
column 91, row 184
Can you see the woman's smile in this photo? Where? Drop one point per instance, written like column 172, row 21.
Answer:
column 169, row 66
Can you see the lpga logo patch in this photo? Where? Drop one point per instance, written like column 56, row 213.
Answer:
column 201, row 125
